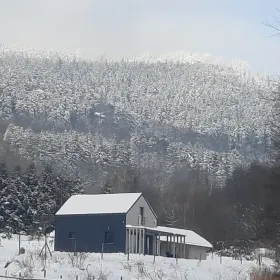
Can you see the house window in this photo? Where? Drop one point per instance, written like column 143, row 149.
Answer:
column 72, row 235
column 109, row 237
column 141, row 217
column 142, row 211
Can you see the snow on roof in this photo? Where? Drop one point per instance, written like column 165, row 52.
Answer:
column 161, row 230
column 98, row 204
column 192, row 238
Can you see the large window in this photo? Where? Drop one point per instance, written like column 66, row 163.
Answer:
column 109, row 237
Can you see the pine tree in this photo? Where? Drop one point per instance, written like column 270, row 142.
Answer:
column 14, row 196
column 30, row 202
column 48, row 191
column 271, row 215
column 65, row 189
column 3, row 196
column 171, row 217
column 26, row 198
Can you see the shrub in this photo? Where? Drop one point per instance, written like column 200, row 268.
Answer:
column 102, row 274
column 26, row 266
column 78, row 260
column 264, row 274
column 127, row 266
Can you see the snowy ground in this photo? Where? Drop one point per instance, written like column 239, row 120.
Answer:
column 115, row 266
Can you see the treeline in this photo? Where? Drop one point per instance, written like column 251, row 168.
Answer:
column 30, row 196
column 245, row 213
column 247, row 209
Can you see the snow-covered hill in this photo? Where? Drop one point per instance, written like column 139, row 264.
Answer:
column 182, row 57
column 158, row 114
column 115, row 266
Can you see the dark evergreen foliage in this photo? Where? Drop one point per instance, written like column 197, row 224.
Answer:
column 26, row 197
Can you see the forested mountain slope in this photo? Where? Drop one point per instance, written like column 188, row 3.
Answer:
column 134, row 122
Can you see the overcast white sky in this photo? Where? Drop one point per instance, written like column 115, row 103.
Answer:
column 228, row 28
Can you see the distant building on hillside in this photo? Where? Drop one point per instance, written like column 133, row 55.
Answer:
column 121, row 223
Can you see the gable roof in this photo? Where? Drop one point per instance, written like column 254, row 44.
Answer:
column 98, row 204
column 192, row 238
column 149, row 205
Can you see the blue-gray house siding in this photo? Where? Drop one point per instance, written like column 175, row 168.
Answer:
column 86, row 233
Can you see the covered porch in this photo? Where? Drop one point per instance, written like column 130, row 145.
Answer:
column 146, row 241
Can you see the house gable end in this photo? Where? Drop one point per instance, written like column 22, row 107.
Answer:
column 141, row 209
column 146, row 202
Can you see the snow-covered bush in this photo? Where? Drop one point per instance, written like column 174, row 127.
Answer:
column 235, row 249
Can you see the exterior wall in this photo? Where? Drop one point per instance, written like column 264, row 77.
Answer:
column 192, row 252
column 134, row 212
column 164, row 249
column 196, row 252
column 90, row 233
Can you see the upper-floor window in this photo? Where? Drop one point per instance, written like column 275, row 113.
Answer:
column 141, row 218
column 142, row 211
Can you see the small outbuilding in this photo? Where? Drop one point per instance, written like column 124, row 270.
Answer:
column 196, row 247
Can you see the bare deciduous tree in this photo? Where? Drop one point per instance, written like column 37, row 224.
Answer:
column 274, row 25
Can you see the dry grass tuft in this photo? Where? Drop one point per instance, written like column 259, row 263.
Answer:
column 264, row 274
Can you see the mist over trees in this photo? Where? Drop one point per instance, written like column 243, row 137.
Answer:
column 191, row 133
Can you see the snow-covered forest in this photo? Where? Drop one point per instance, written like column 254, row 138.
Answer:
column 144, row 124
column 154, row 116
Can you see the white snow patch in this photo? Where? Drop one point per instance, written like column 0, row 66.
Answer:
column 116, row 266
column 101, row 115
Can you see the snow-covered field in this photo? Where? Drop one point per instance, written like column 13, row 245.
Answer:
column 114, row 266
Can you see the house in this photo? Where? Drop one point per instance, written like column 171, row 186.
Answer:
column 98, row 222
column 115, row 223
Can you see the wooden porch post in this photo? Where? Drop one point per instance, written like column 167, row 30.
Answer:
column 126, row 240
column 140, row 241
column 177, row 246
column 133, row 240
column 153, row 244
column 169, row 249
column 174, row 246
column 182, row 252
column 134, row 237
column 129, row 240
column 159, row 253
column 181, row 246
column 136, row 241
column 184, row 246
column 143, row 243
